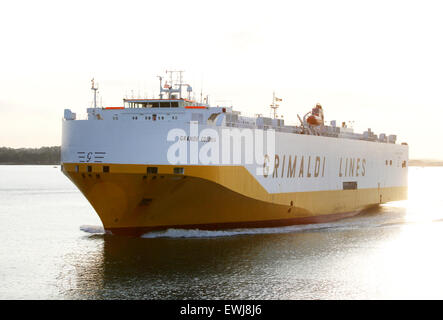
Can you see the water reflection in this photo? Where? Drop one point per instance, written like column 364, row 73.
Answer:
column 80, row 274
column 303, row 265
column 52, row 248
column 410, row 264
column 391, row 252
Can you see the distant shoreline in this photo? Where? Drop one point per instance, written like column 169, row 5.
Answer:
column 425, row 163
column 30, row 156
column 27, row 164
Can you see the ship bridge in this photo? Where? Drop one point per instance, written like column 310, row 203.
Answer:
column 163, row 103
column 170, row 95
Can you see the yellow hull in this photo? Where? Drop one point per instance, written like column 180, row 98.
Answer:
column 129, row 200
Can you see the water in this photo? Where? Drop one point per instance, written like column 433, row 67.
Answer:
column 53, row 247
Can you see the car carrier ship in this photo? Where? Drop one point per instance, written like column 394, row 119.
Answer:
column 175, row 162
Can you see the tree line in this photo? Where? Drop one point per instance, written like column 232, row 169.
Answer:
column 43, row 155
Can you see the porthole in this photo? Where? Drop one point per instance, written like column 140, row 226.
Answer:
column 179, row 170
column 152, row 170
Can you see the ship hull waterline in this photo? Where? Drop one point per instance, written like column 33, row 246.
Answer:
column 130, row 201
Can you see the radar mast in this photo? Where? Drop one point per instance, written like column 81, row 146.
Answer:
column 174, row 86
column 95, row 92
column 274, row 105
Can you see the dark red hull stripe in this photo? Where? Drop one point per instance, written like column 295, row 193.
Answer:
column 137, row 231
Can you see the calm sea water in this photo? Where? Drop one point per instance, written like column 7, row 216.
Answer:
column 53, row 247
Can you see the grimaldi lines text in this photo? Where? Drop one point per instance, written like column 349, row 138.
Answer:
column 315, row 167
column 175, row 162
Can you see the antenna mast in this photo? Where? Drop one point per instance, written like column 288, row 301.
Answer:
column 95, row 92
column 275, row 106
column 175, row 84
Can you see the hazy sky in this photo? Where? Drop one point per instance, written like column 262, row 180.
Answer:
column 377, row 63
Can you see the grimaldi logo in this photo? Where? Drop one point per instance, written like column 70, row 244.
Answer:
column 233, row 146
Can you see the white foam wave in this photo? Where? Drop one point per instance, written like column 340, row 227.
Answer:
column 341, row 225
column 93, row 229
column 197, row 233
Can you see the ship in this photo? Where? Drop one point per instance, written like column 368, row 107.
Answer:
column 174, row 161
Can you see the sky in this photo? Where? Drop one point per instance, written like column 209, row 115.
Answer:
column 376, row 63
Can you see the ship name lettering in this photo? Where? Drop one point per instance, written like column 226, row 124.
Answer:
column 195, row 138
column 317, row 167
column 352, row 167
column 291, row 170
column 311, row 167
column 276, row 164
column 266, row 166
column 283, row 167
column 302, row 165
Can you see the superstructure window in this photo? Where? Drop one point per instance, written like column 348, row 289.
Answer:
column 105, row 168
